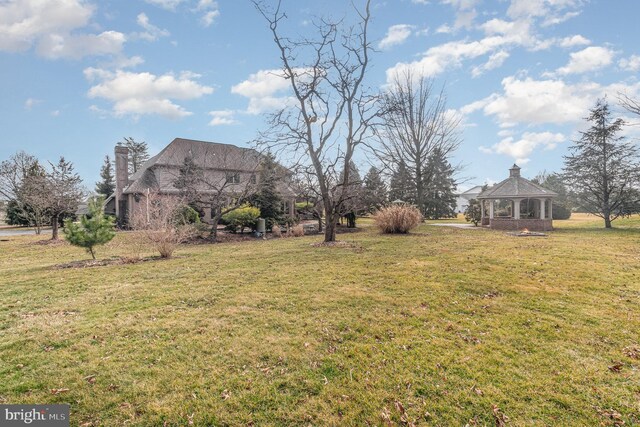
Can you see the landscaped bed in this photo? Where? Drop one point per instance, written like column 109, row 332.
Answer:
column 443, row 326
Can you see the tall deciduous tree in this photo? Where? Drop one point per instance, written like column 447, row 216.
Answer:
column 13, row 173
column 34, row 194
column 64, row 187
column 222, row 192
column 330, row 114
column 107, row 185
column 603, row 167
column 138, row 153
column 416, row 124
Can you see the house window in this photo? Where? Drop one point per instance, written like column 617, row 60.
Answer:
column 233, row 178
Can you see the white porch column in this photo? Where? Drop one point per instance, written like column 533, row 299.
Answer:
column 542, row 213
column 516, row 209
column 481, row 208
column 491, row 203
column 550, row 209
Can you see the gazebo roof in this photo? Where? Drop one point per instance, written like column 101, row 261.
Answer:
column 516, row 187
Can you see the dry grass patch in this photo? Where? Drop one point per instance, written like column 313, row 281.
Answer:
column 449, row 328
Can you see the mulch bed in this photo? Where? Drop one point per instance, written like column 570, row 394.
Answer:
column 87, row 263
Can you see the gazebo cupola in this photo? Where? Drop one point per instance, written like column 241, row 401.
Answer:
column 517, row 203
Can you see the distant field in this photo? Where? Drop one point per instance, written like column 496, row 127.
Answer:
column 440, row 327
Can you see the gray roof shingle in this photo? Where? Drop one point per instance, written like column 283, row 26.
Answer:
column 516, row 186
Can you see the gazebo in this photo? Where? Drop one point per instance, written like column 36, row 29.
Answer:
column 517, row 203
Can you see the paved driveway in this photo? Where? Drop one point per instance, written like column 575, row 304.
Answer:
column 21, row 231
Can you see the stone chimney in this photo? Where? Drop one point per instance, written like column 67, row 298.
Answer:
column 514, row 172
column 122, row 179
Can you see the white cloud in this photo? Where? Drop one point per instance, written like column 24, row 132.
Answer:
column 631, row 63
column 465, row 12
column 589, row 59
column 222, row 117
column 31, row 102
column 139, row 94
column 539, row 101
column 53, row 27
column 55, row 46
column 444, row 29
column 265, row 90
column 521, row 149
column 55, row 113
column 495, row 61
column 551, row 101
column 576, row 40
column 208, row 18
column 396, row 34
column 165, row 4
column 151, row 32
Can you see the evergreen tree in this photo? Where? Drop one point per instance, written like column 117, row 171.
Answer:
column 375, row 190
column 352, row 195
column 440, row 200
column 602, row 168
column 93, row 230
column 107, row 186
column 400, row 186
column 138, row 153
column 267, row 198
column 473, row 213
column 562, row 205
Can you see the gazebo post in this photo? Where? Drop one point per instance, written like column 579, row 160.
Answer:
column 491, row 203
column 516, row 208
column 550, row 208
column 481, row 208
column 542, row 206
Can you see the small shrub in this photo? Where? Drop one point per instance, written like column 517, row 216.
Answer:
column 276, row 231
column 397, row 218
column 297, row 230
column 93, row 230
column 187, row 215
column 473, row 213
column 242, row 217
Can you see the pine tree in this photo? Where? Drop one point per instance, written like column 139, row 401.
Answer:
column 352, row 195
column 267, row 198
column 440, row 201
column 138, row 153
column 602, row 168
column 375, row 190
column 400, row 187
column 93, row 230
column 107, row 186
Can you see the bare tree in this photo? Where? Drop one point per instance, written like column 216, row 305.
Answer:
column 331, row 114
column 223, row 179
column 157, row 222
column 13, row 173
column 416, row 126
column 34, row 196
column 64, row 192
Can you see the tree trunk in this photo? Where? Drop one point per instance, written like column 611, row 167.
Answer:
column 214, row 228
column 607, row 221
column 330, row 229
column 54, row 227
column 93, row 255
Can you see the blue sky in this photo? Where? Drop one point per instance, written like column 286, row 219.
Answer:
column 77, row 76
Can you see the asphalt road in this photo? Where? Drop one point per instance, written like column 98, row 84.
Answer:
column 21, row 231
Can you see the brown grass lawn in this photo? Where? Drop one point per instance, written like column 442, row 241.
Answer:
column 439, row 327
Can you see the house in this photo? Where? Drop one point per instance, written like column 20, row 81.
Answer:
column 228, row 171
column 517, row 203
column 463, row 199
